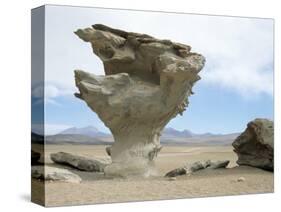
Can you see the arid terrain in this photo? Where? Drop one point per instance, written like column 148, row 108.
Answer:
column 95, row 188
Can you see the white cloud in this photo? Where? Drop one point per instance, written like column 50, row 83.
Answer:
column 239, row 51
column 51, row 92
column 243, row 60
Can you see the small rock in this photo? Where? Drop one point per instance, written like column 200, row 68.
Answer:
column 189, row 168
column 197, row 166
column 176, row 172
column 241, row 179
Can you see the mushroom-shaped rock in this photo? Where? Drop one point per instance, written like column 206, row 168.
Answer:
column 147, row 83
column 255, row 146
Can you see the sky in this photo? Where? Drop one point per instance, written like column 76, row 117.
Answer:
column 236, row 83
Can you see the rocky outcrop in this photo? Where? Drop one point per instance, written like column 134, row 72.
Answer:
column 79, row 162
column 196, row 166
column 48, row 173
column 255, row 146
column 108, row 150
column 147, row 83
column 35, row 157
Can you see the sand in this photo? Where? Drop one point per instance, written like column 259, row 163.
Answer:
column 95, row 188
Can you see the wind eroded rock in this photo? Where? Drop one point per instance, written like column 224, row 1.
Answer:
column 255, row 146
column 147, row 83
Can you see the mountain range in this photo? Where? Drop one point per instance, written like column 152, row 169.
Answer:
column 170, row 136
column 171, row 132
column 88, row 131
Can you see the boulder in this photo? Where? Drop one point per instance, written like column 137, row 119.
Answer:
column 48, row 173
column 79, row 162
column 255, row 146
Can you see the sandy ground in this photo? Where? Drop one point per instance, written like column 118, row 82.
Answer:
column 95, row 188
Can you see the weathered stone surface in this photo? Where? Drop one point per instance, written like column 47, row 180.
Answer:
column 196, row 166
column 218, row 164
column 35, row 157
column 79, row 162
column 108, row 150
column 255, row 146
column 54, row 174
column 188, row 169
column 147, row 83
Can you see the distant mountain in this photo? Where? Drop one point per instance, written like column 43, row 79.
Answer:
column 83, row 135
column 171, row 132
column 74, row 139
column 170, row 136
column 201, row 140
column 88, row 131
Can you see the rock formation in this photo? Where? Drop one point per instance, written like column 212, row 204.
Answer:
column 255, row 146
column 78, row 162
column 196, row 166
column 108, row 150
column 48, row 173
column 218, row 164
column 147, row 83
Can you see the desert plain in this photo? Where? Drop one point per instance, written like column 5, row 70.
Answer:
column 96, row 188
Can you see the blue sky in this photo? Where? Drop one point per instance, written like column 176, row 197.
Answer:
column 236, row 84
